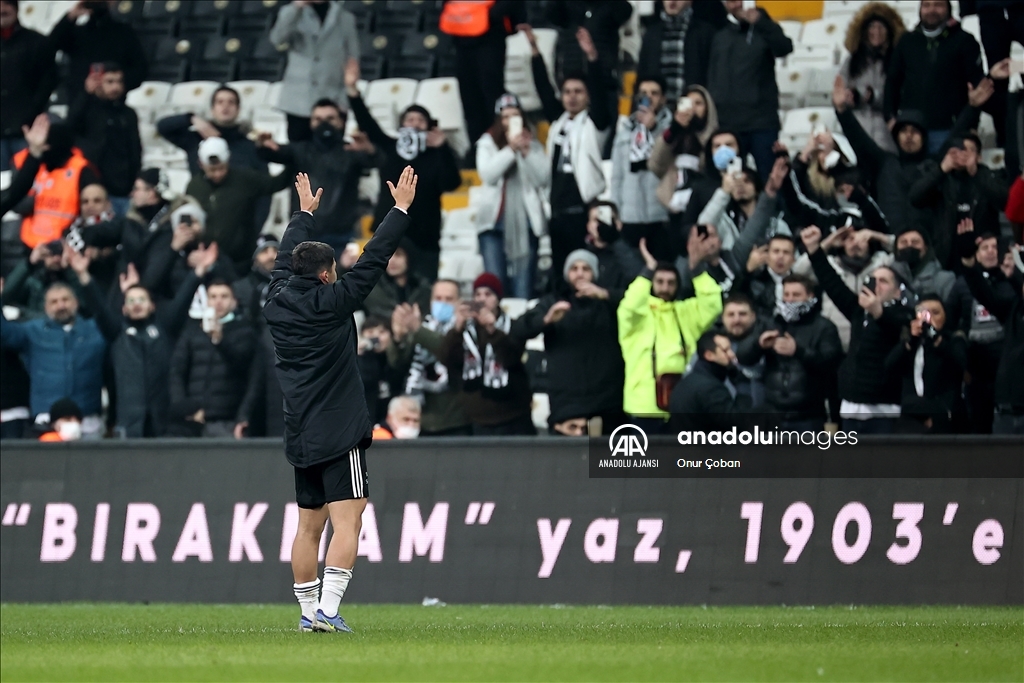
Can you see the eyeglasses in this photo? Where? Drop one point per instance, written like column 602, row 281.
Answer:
column 136, row 300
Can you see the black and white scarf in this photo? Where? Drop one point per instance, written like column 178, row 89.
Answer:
column 411, row 143
column 426, row 374
column 641, row 140
column 673, row 51
column 481, row 369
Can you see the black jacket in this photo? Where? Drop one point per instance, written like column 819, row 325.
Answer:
column 209, row 376
column 602, row 19
column 336, row 170
column 314, row 334
column 140, row 352
column 28, row 75
column 702, row 401
column 108, row 134
column 797, row 384
column 177, row 131
column 251, row 293
column 263, row 405
column 696, row 49
column 932, row 80
column 741, row 74
column 101, row 39
column 21, row 184
column 586, row 373
column 862, row 376
column 1010, row 312
column 805, row 206
column 387, row 294
column 942, row 374
column 438, row 171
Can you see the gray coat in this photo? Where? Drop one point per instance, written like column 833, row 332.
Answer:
column 317, row 55
column 636, row 194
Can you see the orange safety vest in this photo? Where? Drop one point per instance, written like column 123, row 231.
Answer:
column 56, row 195
column 466, row 18
column 381, row 434
column 50, row 437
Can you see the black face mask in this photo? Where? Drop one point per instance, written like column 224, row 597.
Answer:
column 698, row 123
column 607, row 233
column 854, row 264
column 327, row 134
column 910, row 256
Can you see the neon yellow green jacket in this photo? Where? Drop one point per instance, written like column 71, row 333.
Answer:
column 675, row 326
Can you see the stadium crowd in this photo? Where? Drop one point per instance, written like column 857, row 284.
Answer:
column 873, row 278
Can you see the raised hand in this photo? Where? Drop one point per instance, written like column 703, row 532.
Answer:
column 556, row 312
column 870, row 302
column 436, row 137
column 811, row 237
column 838, row 237
column 79, row 263
column 205, row 128
column 779, row 172
column 128, row 279
column 532, row 39
column 360, row 143
column 307, row 200
column 842, row 97
column 649, row 260
column 205, row 258
column 586, row 42
column 349, row 256
column 486, row 319
column 404, row 192
column 352, row 75
column 758, row 257
column 37, row 134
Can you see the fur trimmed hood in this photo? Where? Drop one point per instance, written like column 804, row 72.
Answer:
column 879, row 10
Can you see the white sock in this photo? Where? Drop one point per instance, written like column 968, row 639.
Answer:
column 308, row 594
column 335, row 582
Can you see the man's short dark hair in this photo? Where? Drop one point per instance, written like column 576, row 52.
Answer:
column 375, row 321
column 603, row 202
column 783, row 236
column 651, row 78
column 448, row 281
column 142, row 287
column 328, row 102
column 226, row 88
column 219, row 282
column 112, row 67
column 807, row 282
column 60, row 284
column 666, row 267
column 707, row 343
column 574, row 76
column 932, row 296
column 312, row 258
column 738, row 299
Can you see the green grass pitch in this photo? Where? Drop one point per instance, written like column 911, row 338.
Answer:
column 77, row 642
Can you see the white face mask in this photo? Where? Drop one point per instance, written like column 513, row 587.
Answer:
column 406, row 432
column 70, row 430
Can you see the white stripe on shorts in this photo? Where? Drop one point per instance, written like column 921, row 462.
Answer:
column 357, row 474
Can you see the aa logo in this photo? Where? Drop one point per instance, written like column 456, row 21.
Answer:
column 628, row 440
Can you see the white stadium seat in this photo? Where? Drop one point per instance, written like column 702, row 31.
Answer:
column 792, row 30
column 540, row 410
column 273, row 95
column 178, row 179
column 793, row 83
column 819, row 86
column 806, row 119
column 823, row 32
column 387, row 98
column 812, row 57
column 148, row 98
column 994, row 158
column 193, row 95
column 841, row 11
column 252, row 93
column 514, row 307
column 460, row 221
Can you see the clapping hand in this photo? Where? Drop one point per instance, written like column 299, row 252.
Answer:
column 405, row 191
column 307, row 200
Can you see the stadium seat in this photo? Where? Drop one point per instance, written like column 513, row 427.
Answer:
column 129, row 10
column 398, row 22
column 819, row 86
column 273, row 94
column 441, row 97
column 793, row 83
column 987, row 131
column 460, row 222
column 416, row 67
column 812, row 57
column 193, row 95
column 822, row 32
column 221, row 56
column 644, row 8
column 208, row 26
column 215, row 8
column 178, row 179
column 266, row 62
column 841, row 11
column 792, row 30
column 381, row 44
column 55, row 11
column 430, row 43
column 372, row 67
column 540, row 410
column 252, row 93
column 151, row 27
column 994, row 158
column 387, row 97
column 800, row 123
column 147, row 98
column 253, row 27
column 5, row 179
column 514, row 307
column 459, row 242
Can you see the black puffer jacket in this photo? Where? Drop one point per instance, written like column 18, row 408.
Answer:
column 263, row 405
column 101, row 39
column 209, row 376
column 1010, row 313
column 942, row 374
column 862, row 376
column 585, row 368
column 797, row 384
column 108, row 134
column 702, row 401
column 27, row 77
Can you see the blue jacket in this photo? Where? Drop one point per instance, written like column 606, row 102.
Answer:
column 59, row 363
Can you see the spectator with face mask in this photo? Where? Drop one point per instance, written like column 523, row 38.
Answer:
column 510, row 213
column 854, row 255
column 801, row 351
column 141, row 343
column 585, row 370
column 957, row 188
column 677, row 45
column 422, row 144
column 617, row 263
column 229, row 195
column 579, row 122
column 706, row 398
column 29, row 75
column 53, row 203
column 1007, row 305
column 63, row 354
column 400, row 284
column 322, row 40
column 734, row 203
column 251, row 290
column 107, row 132
column 741, row 78
column 870, row 397
column 634, row 186
column 186, row 131
column 926, row 274
column 893, row 173
column 65, row 422
column 417, row 343
column 930, row 69
column 98, row 39
column 740, row 323
column 485, row 349
column 767, row 267
column 402, row 421
column 332, row 165
column 930, row 359
column 654, row 324
column 871, row 36
column 209, row 368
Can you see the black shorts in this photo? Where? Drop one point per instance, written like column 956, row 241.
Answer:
column 343, row 478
